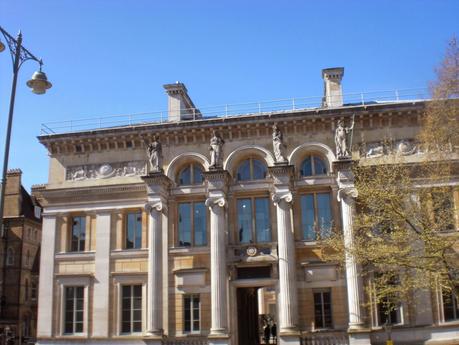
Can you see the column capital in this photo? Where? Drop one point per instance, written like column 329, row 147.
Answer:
column 281, row 173
column 286, row 196
column 216, row 201
column 158, row 204
column 217, row 179
column 347, row 192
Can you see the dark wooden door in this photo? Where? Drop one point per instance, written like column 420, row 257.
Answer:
column 247, row 315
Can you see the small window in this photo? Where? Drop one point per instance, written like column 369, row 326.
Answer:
column 33, row 291
column 254, row 224
column 251, row 169
column 10, row 257
column 316, row 216
column 322, row 309
column 192, row 224
column 191, row 312
column 131, row 309
column 78, row 234
column 133, row 230
column 450, row 306
column 313, row 165
column 190, row 175
column 73, row 309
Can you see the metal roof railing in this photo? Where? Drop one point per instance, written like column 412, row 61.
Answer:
column 231, row 110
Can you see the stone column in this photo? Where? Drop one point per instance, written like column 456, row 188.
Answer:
column 288, row 301
column 216, row 182
column 157, row 188
column 101, row 301
column 46, row 292
column 358, row 333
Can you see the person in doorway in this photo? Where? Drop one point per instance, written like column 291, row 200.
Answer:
column 274, row 332
column 267, row 333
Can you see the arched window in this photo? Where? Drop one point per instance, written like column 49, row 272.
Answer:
column 313, row 165
column 10, row 257
column 251, row 169
column 190, row 174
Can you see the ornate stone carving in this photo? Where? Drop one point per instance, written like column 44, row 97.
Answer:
column 157, row 205
column 155, row 155
column 343, row 139
column 105, row 170
column 403, row 147
column 282, row 196
column 216, row 151
column 216, row 201
column 278, row 145
column 347, row 192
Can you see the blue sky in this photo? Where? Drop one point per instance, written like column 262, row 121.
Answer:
column 112, row 57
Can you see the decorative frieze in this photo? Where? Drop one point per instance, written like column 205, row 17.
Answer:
column 403, row 147
column 105, row 170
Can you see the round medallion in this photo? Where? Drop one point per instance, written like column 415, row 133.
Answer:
column 251, row 251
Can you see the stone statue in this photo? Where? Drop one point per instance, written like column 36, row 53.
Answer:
column 343, row 136
column 278, row 145
column 155, row 155
column 216, row 150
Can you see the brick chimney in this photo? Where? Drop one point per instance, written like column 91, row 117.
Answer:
column 180, row 105
column 13, row 196
column 333, row 92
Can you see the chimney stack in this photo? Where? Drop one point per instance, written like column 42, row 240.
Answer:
column 180, row 105
column 333, row 92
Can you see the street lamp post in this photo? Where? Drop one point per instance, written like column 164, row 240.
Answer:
column 39, row 84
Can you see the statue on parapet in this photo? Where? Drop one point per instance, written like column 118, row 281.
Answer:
column 155, row 155
column 216, row 151
column 278, row 145
column 343, row 139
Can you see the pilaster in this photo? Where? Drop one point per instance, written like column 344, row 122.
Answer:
column 157, row 192
column 216, row 187
column 358, row 334
column 282, row 198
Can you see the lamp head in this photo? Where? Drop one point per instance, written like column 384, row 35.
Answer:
column 39, row 82
column 2, row 46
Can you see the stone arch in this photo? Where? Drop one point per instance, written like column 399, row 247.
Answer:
column 187, row 157
column 235, row 157
column 298, row 154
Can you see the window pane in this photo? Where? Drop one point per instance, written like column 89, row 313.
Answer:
column 184, row 227
column 244, row 212
column 79, row 327
column 200, row 224
column 262, row 223
column 307, row 217
column 306, row 167
column 126, row 327
column 243, row 173
column 318, row 314
column 324, row 214
column 197, row 174
column 137, row 327
column 259, row 170
column 138, row 231
column 319, row 166
column 130, row 228
column 185, row 176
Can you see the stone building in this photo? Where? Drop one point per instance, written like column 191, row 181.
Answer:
column 19, row 262
column 200, row 228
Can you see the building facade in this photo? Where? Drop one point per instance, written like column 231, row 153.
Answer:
column 20, row 255
column 206, row 229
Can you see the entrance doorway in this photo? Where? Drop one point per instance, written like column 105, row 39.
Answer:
column 256, row 316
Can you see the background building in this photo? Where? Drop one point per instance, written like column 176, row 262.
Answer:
column 19, row 262
column 204, row 247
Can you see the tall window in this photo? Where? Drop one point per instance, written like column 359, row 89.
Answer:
column 26, row 290
column 316, row 216
column 33, row 291
column 27, row 258
column 191, row 315
column 191, row 174
column 313, row 165
column 388, row 313
column 73, row 313
column 254, row 223
column 251, row 169
column 322, row 309
column 10, row 257
column 131, row 309
column 133, row 230
column 450, row 306
column 78, row 234
column 192, row 224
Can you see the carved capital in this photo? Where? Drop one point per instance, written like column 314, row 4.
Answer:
column 347, row 192
column 216, row 201
column 282, row 196
column 158, row 205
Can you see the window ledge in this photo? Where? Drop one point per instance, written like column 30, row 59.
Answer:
column 131, row 253
column 448, row 323
column 189, row 250
column 71, row 256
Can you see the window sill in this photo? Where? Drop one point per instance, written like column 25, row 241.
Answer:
column 189, row 250
column 131, row 253
column 71, row 256
column 448, row 323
